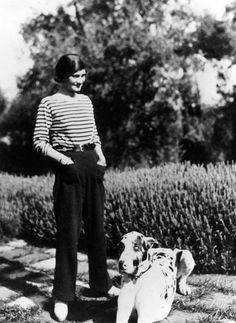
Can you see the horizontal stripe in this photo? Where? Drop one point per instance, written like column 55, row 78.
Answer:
column 66, row 121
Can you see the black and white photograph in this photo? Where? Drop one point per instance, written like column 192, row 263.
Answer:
column 118, row 161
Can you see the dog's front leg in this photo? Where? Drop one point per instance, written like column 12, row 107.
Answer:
column 125, row 302
column 185, row 265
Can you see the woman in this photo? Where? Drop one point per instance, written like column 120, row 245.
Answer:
column 65, row 130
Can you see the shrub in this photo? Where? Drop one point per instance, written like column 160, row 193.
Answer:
column 181, row 205
column 26, row 208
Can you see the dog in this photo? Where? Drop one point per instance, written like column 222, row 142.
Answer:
column 150, row 278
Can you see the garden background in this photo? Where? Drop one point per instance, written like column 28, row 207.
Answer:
column 171, row 155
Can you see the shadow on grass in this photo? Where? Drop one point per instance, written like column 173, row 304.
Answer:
column 99, row 310
column 88, row 307
column 13, row 275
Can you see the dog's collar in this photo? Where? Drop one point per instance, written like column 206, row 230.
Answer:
column 145, row 264
column 143, row 267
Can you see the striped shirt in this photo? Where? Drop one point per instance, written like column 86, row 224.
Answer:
column 64, row 121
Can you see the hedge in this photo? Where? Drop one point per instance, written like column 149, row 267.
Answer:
column 181, row 205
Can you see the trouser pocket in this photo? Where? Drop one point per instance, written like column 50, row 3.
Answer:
column 69, row 174
column 100, row 173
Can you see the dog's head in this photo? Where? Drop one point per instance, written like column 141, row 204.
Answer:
column 133, row 250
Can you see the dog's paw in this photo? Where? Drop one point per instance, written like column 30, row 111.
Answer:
column 183, row 289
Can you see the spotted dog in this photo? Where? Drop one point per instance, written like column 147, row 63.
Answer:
column 150, row 278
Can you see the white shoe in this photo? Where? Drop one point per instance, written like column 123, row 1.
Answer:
column 60, row 310
column 113, row 291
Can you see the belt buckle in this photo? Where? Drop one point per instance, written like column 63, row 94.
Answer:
column 81, row 147
column 78, row 148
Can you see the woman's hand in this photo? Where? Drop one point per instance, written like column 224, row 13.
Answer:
column 58, row 156
column 101, row 159
column 66, row 160
column 102, row 162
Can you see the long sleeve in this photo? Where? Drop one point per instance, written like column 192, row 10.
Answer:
column 95, row 136
column 65, row 121
column 41, row 139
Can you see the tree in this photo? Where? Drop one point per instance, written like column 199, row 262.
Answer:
column 135, row 77
column 142, row 57
column 213, row 38
column 3, row 103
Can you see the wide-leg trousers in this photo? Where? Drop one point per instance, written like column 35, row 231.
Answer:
column 79, row 198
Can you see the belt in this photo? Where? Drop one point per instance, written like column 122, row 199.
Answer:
column 75, row 148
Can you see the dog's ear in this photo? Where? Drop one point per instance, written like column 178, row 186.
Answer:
column 150, row 242
column 146, row 256
column 178, row 255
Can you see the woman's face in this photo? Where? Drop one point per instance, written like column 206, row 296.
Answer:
column 74, row 83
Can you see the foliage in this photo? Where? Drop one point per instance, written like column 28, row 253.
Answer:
column 137, row 92
column 214, row 38
column 181, row 205
column 18, row 156
column 20, row 315
column 26, row 207
column 142, row 57
column 3, row 103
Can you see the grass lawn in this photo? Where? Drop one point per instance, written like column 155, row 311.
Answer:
column 213, row 297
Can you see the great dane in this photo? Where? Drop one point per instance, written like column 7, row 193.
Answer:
column 150, row 278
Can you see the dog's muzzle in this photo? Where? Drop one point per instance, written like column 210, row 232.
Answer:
column 122, row 266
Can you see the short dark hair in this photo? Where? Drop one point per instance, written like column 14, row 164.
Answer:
column 67, row 65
